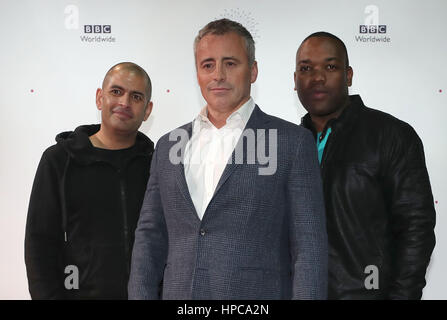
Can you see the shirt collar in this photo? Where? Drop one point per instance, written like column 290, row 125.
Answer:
column 243, row 113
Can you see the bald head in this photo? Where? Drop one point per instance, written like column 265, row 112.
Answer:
column 132, row 68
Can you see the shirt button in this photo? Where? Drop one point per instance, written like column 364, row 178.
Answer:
column 202, row 232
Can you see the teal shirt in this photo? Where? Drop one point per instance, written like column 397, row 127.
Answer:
column 321, row 143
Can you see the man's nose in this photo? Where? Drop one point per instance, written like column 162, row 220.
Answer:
column 125, row 100
column 219, row 72
column 319, row 75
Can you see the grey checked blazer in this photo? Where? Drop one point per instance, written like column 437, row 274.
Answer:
column 261, row 236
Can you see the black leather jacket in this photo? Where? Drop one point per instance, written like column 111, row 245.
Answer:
column 379, row 206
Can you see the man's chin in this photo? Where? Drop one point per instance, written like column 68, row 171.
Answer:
column 124, row 127
column 321, row 109
column 316, row 110
column 224, row 104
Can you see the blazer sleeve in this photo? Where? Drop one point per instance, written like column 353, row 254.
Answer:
column 409, row 197
column 307, row 223
column 44, row 235
column 151, row 243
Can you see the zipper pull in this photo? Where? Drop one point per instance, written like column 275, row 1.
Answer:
column 65, row 236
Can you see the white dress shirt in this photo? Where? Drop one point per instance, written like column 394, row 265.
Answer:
column 208, row 151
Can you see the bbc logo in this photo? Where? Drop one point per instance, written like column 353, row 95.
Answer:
column 373, row 29
column 97, row 28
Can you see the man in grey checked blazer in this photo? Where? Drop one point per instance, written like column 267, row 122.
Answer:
column 261, row 233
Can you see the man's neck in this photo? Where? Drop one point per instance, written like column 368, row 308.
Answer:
column 320, row 122
column 105, row 139
column 219, row 118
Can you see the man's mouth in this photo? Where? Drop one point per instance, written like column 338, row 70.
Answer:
column 123, row 113
column 219, row 89
column 319, row 94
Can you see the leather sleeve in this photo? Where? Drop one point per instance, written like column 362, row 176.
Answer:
column 407, row 188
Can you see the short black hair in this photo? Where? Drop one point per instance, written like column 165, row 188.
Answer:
column 324, row 34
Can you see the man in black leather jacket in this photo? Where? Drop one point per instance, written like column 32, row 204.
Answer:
column 379, row 204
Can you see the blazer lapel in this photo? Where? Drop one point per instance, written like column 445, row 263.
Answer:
column 179, row 172
column 253, row 123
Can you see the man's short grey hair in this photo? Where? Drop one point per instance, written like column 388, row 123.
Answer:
column 224, row 26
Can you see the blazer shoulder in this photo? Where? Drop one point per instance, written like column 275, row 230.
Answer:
column 174, row 136
column 287, row 128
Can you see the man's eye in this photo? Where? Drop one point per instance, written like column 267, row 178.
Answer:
column 305, row 68
column 137, row 97
column 231, row 63
column 116, row 91
column 332, row 67
column 207, row 66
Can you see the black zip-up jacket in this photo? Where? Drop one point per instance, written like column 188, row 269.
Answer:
column 83, row 212
column 379, row 206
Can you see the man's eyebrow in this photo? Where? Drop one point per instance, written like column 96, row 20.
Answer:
column 137, row 92
column 231, row 58
column 115, row 86
column 327, row 60
column 206, row 60
column 224, row 59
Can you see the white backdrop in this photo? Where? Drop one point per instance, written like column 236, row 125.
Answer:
column 49, row 76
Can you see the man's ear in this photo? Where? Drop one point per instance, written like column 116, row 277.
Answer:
column 148, row 110
column 99, row 98
column 294, row 80
column 254, row 72
column 349, row 75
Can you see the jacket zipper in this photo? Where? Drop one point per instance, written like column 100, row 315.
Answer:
column 125, row 223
